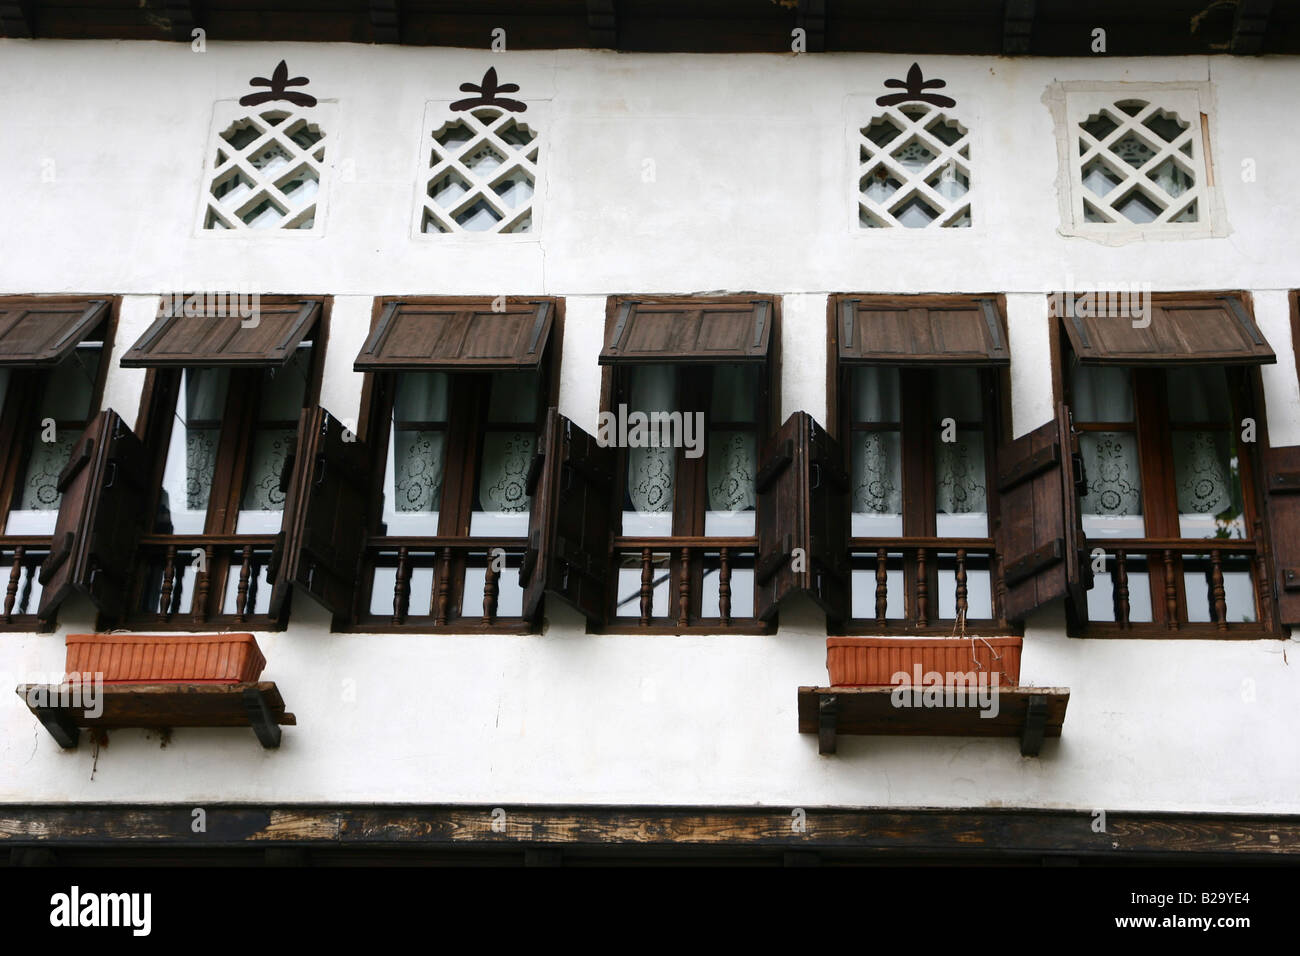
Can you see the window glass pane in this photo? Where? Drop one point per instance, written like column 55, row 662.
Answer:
column 648, row 503
column 961, row 495
column 1198, row 395
column 502, row 503
column 1208, row 480
column 1103, row 599
column 877, row 485
column 192, row 451
column 281, row 394
column 72, row 385
column 735, row 394
column 1112, row 506
column 1102, row 393
column 957, row 395
column 875, row 394
column 414, row 469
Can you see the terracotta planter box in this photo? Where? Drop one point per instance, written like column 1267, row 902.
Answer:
column 873, row 661
column 166, row 658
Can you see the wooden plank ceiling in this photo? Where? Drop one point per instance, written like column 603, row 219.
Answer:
column 1034, row 27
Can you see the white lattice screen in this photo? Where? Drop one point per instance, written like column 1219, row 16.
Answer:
column 913, row 169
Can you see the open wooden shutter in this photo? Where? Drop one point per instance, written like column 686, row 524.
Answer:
column 1180, row 330
column 202, row 337
column 1282, row 477
column 458, row 335
column 679, row 331
column 105, row 501
column 327, row 501
column 925, row 330
column 569, row 534
column 802, row 504
column 39, row 332
column 1038, row 534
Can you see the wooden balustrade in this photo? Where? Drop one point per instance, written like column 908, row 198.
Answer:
column 920, row 561
column 689, row 566
column 166, row 561
column 447, row 597
column 23, row 556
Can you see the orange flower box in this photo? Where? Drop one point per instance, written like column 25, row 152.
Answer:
column 166, row 658
column 873, row 661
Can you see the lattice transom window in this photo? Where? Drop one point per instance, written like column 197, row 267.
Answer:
column 265, row 172
column 914, row 170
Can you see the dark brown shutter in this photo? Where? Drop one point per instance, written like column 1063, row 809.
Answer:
column 953, row 330
column 695, row 331
column 37, row 332
column 327, row 501
column 1038, row 535
column 219, row 336
column 1282, row 475
column 105, row 498
column 1183, row 330
column 411, row 336
column 802, row 504
column 572, row 487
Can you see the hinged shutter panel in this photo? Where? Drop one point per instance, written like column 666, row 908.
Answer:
column 413, row 336
column 1282, row 475
column 105, row 488
column 325, row 511
column 1038, row 535
column 699, row 331
column 38, row 333
column 953, row 330
column 802, row 504
column 1188, row 331
column 224, row 338
column 569, row 527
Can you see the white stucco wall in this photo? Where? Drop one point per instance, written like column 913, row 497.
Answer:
column 749, row 193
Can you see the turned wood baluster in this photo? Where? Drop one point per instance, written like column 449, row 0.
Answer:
column 402, row 587
column 724, row 587
column 962, row 603
column 647, row 585
column 490, row 588
column 15, row 575
column 882, row 585
column 444, row 586
column 241, row 596
column 202, row 586
column 1262, row 583
column 684, row 590
column 1121, row 589
column 168, row 582
column 922, row 590
column 1218, row 596
column 1171, row 593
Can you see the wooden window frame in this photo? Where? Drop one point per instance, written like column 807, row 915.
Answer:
column 1159, row 499
column 19, row 424
column 467, row 408
column 918, row 449
column 218, row 540
column 694, row 381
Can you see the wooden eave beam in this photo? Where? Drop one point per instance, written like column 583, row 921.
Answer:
column 18, row 18
column 1249, row 26
column 602, row 24
column 386, row 21
column 184, row 17
column 811, row 19
column 1017, row 26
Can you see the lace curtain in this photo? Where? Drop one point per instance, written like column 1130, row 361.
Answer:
column 961, row 493
column 1112, row 505
column 280, row 401
column 732, row 453
column 1206, row 471
column 651, row 471
column 416, row 455
column 503, row 502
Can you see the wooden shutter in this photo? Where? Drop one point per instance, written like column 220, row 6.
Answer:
column 1038, row 534
column 802, row 504
column 411, row 336
column 690, row 331
column 105, row 488
column 951, row 330
column 327, row 500
column 1183, row 330
column 38, row 332
column 1282, row 475
column 569, row 534
column 218, row 336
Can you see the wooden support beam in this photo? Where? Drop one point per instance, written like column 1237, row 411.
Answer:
column 60, row 725
column 261, row 717
column 18, row 18
column 1031, row 738
column 386, row 21
column 811, row 18
column 602, row 24
column 827, row 717
column 543, row 856
column 184, row 17
column 1017, row 26
column 1250, row 24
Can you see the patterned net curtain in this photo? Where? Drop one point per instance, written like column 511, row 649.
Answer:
column 961, row 493
column 192, row 451
column 1112, row 506
column 651, row 471
column 280, row 402
column 876, row 459
column 733, row 452
column 416, row 454
column 508, row 447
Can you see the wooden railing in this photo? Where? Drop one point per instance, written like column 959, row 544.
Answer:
column 452, row 561
column 23, row 557
column 188, row 577
column 920, row 560
column 687, row 565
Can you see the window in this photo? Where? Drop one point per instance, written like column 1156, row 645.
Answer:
column 457, row 405
column 1137, row 161
column 51, row 381
column 919, row 382
column 913, row 169
column 1169, row 506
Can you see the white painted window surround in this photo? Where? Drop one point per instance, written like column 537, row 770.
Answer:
column 1135, row 161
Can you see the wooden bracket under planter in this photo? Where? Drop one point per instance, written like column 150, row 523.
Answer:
column 1030, row 713
column 61, row 708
